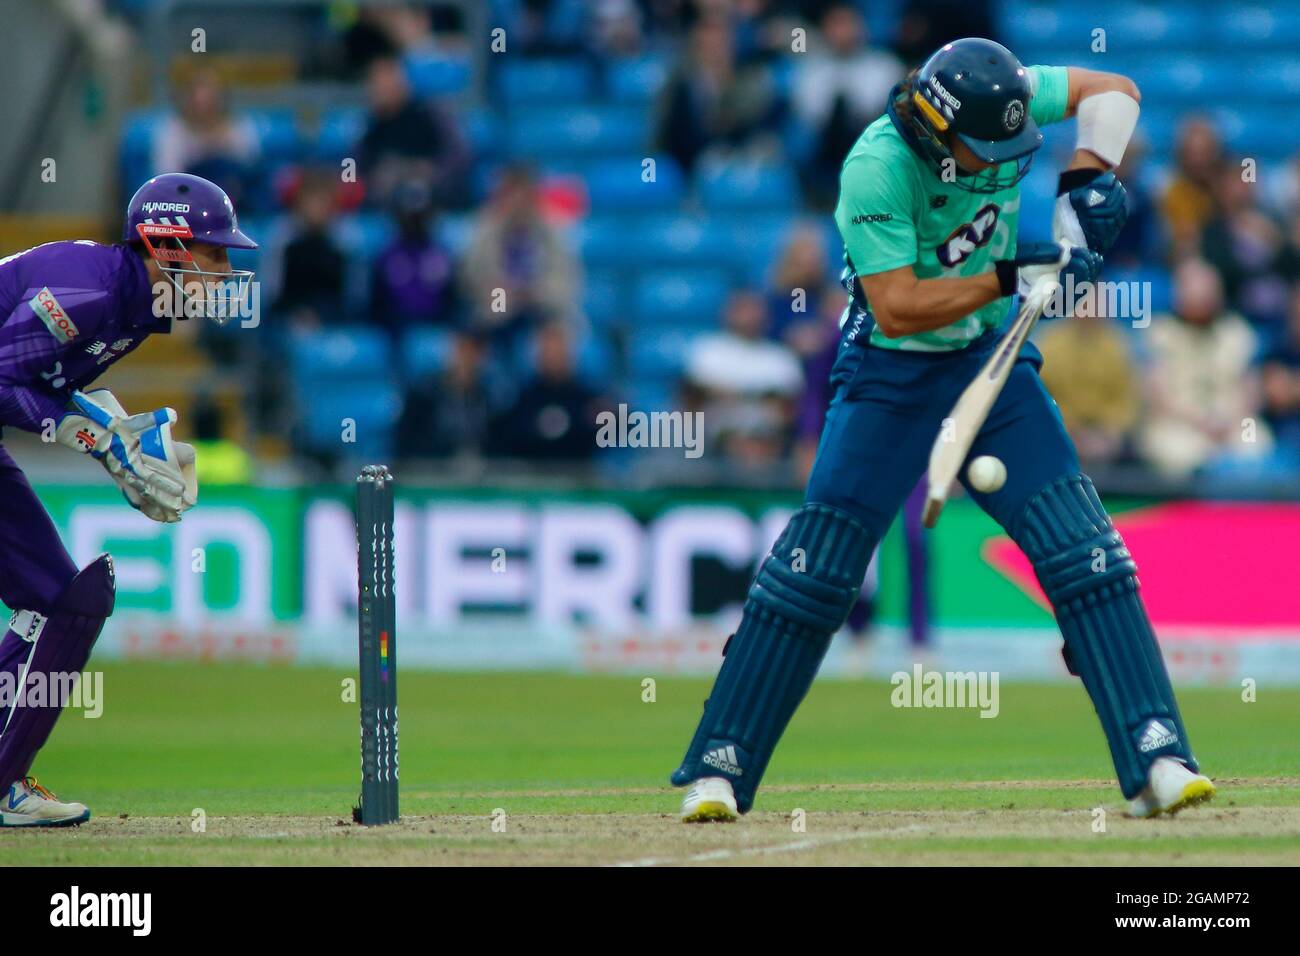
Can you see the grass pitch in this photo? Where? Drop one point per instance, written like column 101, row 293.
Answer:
column 218, row 764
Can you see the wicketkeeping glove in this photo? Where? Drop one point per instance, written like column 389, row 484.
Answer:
column 96, row 424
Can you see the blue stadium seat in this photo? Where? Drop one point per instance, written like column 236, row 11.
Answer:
column 436, row 74
column 424, row 351
column 483, row 132
column 657, row 354
column 752, row 243
column 1180, row 78
column 692, row 297
column 637, row 81
column 363, row 235
column 374, row 407
column 545, row 81
column 747, row 186
column 606, row 298
column 1256, row 27
column 596, row 361
column 682, row 238
column 277, row 132
column 1280, row 75
column 1253, row 131
column 339, row 132
column 1037, row 199
column 550, row 132
column 330, row 357
column 617, row 184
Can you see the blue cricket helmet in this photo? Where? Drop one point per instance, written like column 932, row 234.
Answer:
column 977, row 91
column 179, row 199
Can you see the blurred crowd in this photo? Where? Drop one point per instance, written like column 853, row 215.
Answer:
column 480, row 250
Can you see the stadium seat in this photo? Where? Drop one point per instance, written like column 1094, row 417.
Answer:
column 436, row 74
column 637, row 81
column 656, row 355
column 577, row 131
column 618, row 184
column 690, row 297
column 424, row 352
column 277, row 132
column 606, row 298
column 330, row 357
column 373, row 407
column 339, row 132
column 1256, row 27
column 545, row 81
column 739, row 186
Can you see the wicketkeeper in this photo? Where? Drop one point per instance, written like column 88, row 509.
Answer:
column 72, row 309
column 928, row 211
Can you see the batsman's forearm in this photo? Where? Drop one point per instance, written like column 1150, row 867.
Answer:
column 930, row 304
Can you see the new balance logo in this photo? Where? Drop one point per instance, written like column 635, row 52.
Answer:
column 724, row 759
column 1156, row 735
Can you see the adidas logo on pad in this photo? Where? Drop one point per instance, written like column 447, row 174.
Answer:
column 724, row 759
column 1156, row 735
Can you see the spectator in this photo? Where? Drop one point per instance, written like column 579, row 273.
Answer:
column 414, row 280
column 1280, row 374
column 1089, row 369
column 840, row 86
column 310, row 268
column 1202, row 393
column 798, row 285
column 1250, row 250
column 926, row 25
column 518, row 270
column 449, row 415
column 203, row 138
column 409, row 141
column 745, row 384
column 710, row 103
column 1188, row 200
column 554, row 417
column 219, row 460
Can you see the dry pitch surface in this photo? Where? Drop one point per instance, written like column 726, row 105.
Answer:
column 1225, row 834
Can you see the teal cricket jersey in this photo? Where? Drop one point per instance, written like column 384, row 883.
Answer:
column 894, row 210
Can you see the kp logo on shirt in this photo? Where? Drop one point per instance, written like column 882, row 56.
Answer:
column 49, row 311
column 968, row 237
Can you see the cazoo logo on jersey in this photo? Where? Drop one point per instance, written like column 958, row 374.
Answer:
column 968, row 237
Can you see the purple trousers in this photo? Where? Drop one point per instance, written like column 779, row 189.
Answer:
column 35, row 572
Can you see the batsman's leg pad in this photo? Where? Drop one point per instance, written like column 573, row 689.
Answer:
column 798, row 600
column 61, row 646
column 1091, row 580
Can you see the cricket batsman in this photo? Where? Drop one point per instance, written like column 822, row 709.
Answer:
column 928, row 211
column 69, row 310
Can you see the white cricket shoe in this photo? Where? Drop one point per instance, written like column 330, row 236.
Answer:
column 28, row 804
column 710, row 799
column 1170, row 787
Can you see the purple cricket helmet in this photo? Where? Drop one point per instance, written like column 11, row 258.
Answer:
column 173, row 208
column 184, row 200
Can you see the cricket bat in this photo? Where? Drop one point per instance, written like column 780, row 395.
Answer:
column 958, row 431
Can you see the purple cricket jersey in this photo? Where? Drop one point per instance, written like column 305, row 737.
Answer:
column 70, row 310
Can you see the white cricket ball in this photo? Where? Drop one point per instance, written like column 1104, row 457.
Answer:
column 987, row 474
